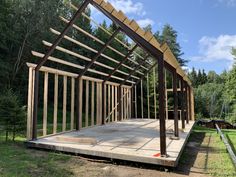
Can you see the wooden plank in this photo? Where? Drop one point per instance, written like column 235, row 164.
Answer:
column 135, row 98
column 98, row 102
column 64, row 103
column 148, row 36
column 69, row 74
column 154, row 90
column 72, row 111
column 92, row 104
column 87, row 104
column 81, row 103
column 109, row 103
column 192, row 104
column 100, row 97
column 45, row 104
column 112, row 103
column 89, row 59
column 148, row 100
column 122, row 104
column 166, row 96
column 61, row 61
column 105, row 102
column 32, row 101
column 125, row 103
column 141, row 98
column 119, row 15
column 90, row 48
column 133, row 24
column 129, row 106
column 55, row 104
column 29, row 107
column 116, row 116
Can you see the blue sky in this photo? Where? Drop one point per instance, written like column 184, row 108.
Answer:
column 206, row 28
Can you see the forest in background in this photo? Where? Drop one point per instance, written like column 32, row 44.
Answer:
column 25, row 23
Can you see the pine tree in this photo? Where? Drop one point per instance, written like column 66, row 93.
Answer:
column 169, row 35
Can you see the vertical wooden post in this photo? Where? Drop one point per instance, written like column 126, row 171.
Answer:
column 182, row 104
column 98, row 105
column 100, row 97
column 189, row 103
column 112, row 103
column 176, row 119
column 72, row 110
column 192, row 104
column 29, row 107
column 80, row 103
column 119, row 103
column 87, row 104
column 92, row 104
column 109, row 102
column 141, row 98
column 148, row 101
column 154, row 90
column 186, row 101
column 116, row 103
column 125, row 102
column 122, row 103
column 166, row 96
column 161, row 88
column 55, row 104
column 45, row 104
column 104, row 103
column 135, row 97
column 130, row 103
column 64, row 102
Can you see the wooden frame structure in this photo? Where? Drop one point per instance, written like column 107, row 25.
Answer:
column 107, row 101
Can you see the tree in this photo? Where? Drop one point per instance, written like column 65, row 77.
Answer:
column 193, row 76
column 12, row 114
column 234, row 54
column 212, row 77
column 169, row 35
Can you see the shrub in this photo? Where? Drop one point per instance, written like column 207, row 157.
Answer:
column 12, row 114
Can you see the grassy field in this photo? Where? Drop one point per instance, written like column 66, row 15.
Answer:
column 208, row 153
column 231, row 136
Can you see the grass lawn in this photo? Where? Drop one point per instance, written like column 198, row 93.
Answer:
column 210, row 153
column 231, row 136
column 16, row 160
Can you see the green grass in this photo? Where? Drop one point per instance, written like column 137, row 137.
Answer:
column 231, row 136
column 213, row 158
column 16, row 160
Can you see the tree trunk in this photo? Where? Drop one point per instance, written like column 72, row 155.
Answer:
column 6, row 135
column 14, row 132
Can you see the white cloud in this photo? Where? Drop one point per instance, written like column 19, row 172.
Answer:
column 145, row 22
column 129, row 7
column 230, row 3
column 216, row 49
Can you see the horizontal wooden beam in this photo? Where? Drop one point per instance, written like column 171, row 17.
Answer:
column 100, row 41
column 73, row 75
column 86, row 59
column 104, row 30
column 57, row 60
column 90, row 49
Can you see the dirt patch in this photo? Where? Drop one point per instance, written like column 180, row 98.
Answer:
column 193, row 163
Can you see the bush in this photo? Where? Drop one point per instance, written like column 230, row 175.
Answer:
column 12, row 114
